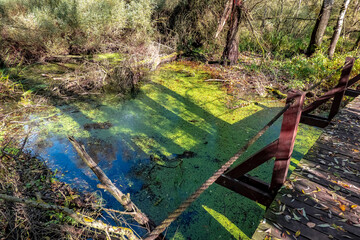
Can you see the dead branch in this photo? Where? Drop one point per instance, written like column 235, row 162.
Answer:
column 224, row 17
column 106, row 183
column 78, row 217
column 216, row 80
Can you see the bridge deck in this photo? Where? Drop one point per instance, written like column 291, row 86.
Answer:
column 321, row 199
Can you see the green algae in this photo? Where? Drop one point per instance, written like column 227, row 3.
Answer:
column 179, row 111
column 113, row 57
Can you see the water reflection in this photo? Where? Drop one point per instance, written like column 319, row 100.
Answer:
column 163, row 123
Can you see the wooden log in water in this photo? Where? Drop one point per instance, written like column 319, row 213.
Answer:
column 123, row 199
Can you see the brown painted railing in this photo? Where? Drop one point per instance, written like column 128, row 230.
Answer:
column 338, row 92
column 281, row 149
column 237, row 179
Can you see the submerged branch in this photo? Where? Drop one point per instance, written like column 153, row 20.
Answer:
column 78, row 217
column 106, row 183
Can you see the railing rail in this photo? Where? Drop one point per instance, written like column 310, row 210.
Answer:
column 280, row 149
column 338, row 92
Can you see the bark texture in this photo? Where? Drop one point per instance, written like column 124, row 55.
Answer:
column 337, row 31
column 320, row 26
column 231, row 51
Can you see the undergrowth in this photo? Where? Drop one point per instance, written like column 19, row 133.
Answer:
column 32, row 30
column 24, row 176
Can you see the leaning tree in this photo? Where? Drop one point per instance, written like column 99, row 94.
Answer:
column 231, row 51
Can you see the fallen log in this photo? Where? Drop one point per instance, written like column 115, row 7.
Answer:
column 106, row 184
column 78, row 217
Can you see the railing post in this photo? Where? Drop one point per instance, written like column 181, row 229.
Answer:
column 287, row 137
column 343, row 82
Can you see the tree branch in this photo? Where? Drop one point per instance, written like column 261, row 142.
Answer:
column 123, row 199
column 78, row 217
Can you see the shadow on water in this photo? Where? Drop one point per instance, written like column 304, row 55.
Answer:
column 163, row 124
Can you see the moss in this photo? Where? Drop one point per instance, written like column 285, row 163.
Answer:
column 113, row 57
column 176, row 111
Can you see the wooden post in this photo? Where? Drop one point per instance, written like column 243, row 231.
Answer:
column 343, row 82
column 287, row 137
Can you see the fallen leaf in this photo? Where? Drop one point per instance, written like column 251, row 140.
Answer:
column 278, row 213
column 296, row 217
column 342, row 207
column 311, row 224
column 323, row 225
column 297, row 233
column 287, row 218
column 353, row 206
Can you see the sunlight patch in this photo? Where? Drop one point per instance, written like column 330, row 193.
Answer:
column 226, row 223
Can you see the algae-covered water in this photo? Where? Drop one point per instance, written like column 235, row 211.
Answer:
column 162, row 145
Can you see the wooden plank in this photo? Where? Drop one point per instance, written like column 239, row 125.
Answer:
column 315, row 121
column 254, row 161
column 353, row 80
column 329, row 156
column 330, row 175
column 325, row 184
column 326, row 197
column 295, row 226
column 336, row 149
column 351, row 194
column 287, row 137
column 302, row 220
column 267, row 230
column 322, row 99
column 325, row 216
column 246, row 189
column 352, row 93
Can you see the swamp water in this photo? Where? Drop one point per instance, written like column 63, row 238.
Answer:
column 162, row 145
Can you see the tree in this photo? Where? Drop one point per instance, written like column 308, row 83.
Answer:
column 338, row 28
column 231, row 51
column 320, row 26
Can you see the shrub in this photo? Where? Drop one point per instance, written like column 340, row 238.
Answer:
column 31, row 30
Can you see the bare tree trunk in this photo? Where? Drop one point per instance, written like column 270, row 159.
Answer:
column 320, row 26
column 231, row 51
column 224, row 17
column 338, row 28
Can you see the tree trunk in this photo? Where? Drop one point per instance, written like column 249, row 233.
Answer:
column 231, row 51
column 338, row 28
column 320, row 26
